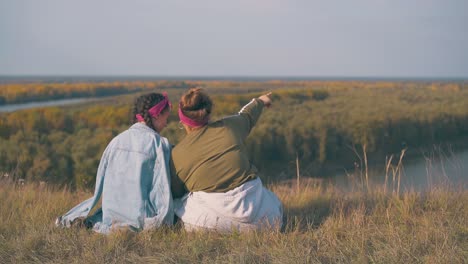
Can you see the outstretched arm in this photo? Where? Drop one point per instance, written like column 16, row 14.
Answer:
column 249, row 114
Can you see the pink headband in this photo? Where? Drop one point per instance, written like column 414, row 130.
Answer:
column 157, row 109
column 190, row 122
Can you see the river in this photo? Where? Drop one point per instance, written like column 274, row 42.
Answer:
column 15, row 107
column 438, row 168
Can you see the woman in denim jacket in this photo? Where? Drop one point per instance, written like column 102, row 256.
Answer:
column 133, row 175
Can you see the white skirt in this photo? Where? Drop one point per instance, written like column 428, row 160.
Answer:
column 247, row 207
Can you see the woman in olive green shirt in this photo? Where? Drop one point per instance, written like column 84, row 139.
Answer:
column 212, row 175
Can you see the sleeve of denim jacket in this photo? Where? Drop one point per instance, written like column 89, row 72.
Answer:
column 83, row 209
column 160, row 195
column 245, row 120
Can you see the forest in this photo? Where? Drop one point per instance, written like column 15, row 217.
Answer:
column 321, row 123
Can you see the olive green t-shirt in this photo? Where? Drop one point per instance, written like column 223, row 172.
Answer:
column 214, row 157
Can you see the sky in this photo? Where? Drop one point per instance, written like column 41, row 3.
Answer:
column 305, row 38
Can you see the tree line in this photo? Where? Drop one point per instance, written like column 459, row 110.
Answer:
column 12, row 93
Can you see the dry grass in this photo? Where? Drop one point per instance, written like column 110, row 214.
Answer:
column 324, row 224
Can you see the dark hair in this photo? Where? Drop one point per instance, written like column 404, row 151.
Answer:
column 196, row 104
column 143, row 104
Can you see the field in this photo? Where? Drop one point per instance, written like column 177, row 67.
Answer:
column 324, row 224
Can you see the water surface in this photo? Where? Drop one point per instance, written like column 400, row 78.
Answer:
column 15, row 107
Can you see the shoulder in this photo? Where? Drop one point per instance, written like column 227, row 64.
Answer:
column 119, row 138
column 142, row 139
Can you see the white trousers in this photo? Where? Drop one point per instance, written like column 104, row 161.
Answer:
column 247, row 207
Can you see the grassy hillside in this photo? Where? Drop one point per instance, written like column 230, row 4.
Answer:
column 324, row 224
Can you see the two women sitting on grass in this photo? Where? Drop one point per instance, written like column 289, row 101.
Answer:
column 212, row 180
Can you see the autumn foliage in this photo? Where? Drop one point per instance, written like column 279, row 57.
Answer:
column 318, row 122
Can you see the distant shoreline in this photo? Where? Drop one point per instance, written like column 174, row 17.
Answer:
column 103, row 78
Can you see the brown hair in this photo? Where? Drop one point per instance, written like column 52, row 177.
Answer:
column 196, row 104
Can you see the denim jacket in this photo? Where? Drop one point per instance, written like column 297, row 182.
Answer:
column 133, row 179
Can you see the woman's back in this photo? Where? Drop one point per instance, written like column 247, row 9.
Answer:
column 213, row 158
column 129, row 177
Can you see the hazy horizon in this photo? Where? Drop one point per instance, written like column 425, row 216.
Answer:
column 6, row 78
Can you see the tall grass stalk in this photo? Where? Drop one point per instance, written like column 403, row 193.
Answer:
column 388, row 163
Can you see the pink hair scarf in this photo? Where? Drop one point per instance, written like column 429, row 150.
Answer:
column 157, row 109
column 190, row 122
